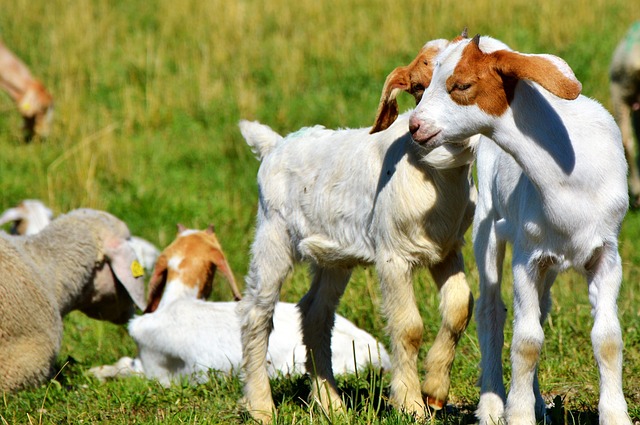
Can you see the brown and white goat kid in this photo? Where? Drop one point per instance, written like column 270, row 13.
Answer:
column 342, row 198
column 34, row 102
column 552, row 183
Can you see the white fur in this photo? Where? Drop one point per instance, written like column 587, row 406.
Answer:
column 342, row 198
column 189, row 338
column 28, row 217
column 552, row 183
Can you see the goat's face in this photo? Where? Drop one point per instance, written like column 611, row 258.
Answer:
column 474, row 82
column 413, row 79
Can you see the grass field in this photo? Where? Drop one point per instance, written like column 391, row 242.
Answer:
column 148, row 96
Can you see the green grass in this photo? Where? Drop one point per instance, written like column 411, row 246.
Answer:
column 148, row 96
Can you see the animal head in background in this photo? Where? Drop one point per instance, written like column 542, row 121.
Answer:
column 117, row 283
column 413, row 79
column 28, row 217
column 187, row 267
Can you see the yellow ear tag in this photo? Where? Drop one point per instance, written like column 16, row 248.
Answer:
column 136, row 269
column 26, row 107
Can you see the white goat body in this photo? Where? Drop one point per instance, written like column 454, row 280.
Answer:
column 342, row 198
column 83, row 262
column 189, row 338
column 552, row 182
column 183, row 337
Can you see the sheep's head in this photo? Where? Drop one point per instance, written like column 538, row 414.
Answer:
column 118, row 284
column 187, row 267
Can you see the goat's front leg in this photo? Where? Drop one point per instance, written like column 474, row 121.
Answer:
column 490, row 317
column 318, row 308
column 405, row 329
column 528, row 337
column 604, row 278
column 456, row 304
column 270, row 264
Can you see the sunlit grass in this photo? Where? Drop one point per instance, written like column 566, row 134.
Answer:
column 148, row 96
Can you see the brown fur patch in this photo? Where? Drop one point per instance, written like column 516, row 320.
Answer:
column 201, row 255
column 488, row 80
column 413, row 79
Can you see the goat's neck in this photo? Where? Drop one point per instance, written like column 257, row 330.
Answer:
column 534, row 134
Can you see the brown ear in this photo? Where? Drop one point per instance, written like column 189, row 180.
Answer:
column 551, row 72
column 220, row 261
column 398, row 80
column 156, row 284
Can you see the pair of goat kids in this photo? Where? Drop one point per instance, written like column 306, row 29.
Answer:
column 552, row 183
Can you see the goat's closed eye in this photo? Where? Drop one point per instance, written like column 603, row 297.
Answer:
column 460, row 87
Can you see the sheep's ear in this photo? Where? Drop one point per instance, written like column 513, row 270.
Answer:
column 125, row 266
column 397, row 81
column 157, row 283
column 219, row 260
column 10, row 215
column 551, row 72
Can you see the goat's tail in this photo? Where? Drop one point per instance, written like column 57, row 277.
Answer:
column 261, row 138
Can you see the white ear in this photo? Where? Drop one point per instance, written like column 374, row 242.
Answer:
column 11, row 215
column 125, row 266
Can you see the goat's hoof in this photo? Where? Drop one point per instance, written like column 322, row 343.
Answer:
column 434, row 403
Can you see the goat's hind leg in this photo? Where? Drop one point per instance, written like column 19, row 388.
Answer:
column 456, row 305
column 604, row 278
column 317, row 309
column 271, row 263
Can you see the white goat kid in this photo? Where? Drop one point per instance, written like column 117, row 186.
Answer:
column 553, row 184
column 342, row 198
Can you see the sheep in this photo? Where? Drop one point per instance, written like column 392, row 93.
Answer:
column 551, row 182
column 34, row 102
column 182, row 336
column 624, row 74
column 30, row 216
column 81, row 261
column 342, row 198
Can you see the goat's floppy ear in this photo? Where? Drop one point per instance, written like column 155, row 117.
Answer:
column 551, row 72
column 157, row 283
column 398, row 80
column 220, row 261
column 125, row 266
